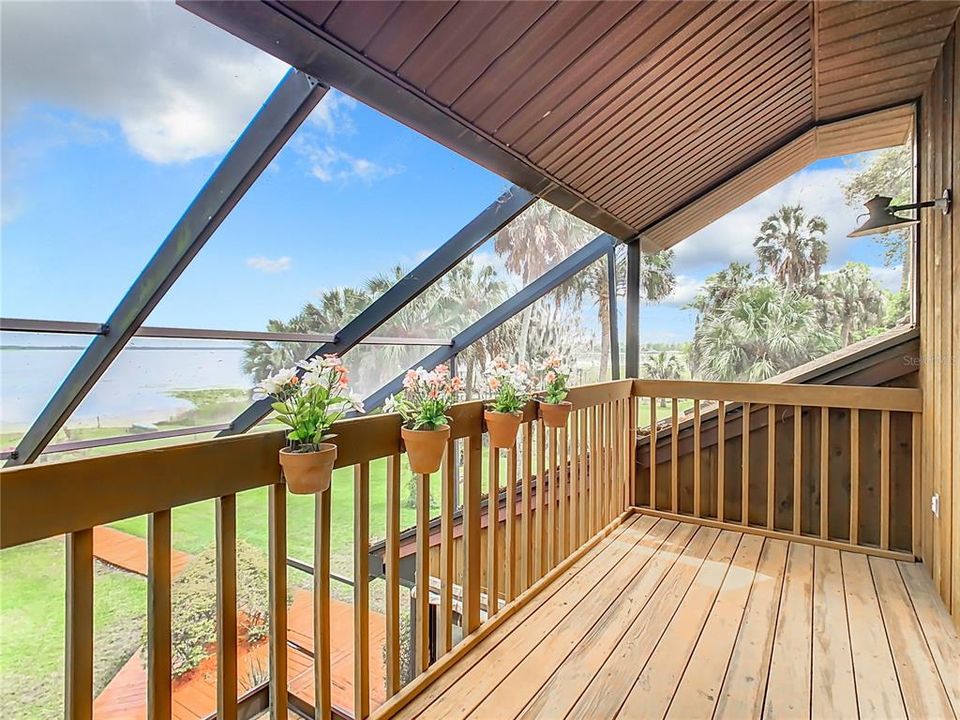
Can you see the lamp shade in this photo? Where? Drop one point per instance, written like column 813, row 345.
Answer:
column 880, row 219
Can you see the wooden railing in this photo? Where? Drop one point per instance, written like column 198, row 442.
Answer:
column 835, row 464
column 572, row 485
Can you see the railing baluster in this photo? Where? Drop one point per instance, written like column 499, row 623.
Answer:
column 632, row 455
column 608, row 450
column 674, row 456
column 575, row 479
column 78, row 701
column 771, row 465
column 584, row 476
column 797, row 458
column 422, row 635
column 159, row 687
column 551, row 496
column 541, row 507
column 392, row 562
column 472, row 449
column 885, row 480
column 721, row 457
column 227, row 607
column 854, row 476
column 321, row 605
column 493, row 522
column 596, row 469
column 361, row 590
column 510, row 531
column 447, row 509
column 562, row 494
column 745, row 467
column 653, row 453
column 824, row 472
column 696, row 458
column 526, row 548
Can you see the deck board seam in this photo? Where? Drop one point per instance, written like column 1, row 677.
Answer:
column 886, row 634
column 589, row 557
column 776, row 623
column 614, row 648
column 846, row 612
column 666, row 625
column 926, row 642
column 639, row 571
column 542, row 606
column 736, row 637
column 713, row 604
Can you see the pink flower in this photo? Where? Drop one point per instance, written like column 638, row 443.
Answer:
column 494, row 383
column 410, row 379
column 456, row 384
column 551, row 376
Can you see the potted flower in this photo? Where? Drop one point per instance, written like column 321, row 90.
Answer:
column 424, row 403
column 511, row 387
column 554, row 408
column 310, row 402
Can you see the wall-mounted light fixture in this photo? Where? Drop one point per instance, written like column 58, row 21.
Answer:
column 881, row 215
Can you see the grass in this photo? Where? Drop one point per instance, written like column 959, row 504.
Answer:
column 32, row 627
column 194, row 525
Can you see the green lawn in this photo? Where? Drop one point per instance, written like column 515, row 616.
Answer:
column 193, row 525
column 32, row 627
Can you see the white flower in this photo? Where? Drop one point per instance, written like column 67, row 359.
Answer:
column 390, row 404
column 356, row 402
column 275, row 384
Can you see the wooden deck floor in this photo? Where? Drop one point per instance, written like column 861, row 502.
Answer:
column 667, row 619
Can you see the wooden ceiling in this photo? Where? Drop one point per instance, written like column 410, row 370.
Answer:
column 621, row 112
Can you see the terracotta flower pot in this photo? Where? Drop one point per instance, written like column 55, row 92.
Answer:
column 554, row 415
column 502, row 427
column 425, row 447
column 308, row 472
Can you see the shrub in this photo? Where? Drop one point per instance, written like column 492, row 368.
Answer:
column 194, row 598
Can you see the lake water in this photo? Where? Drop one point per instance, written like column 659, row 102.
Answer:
column 135, row 389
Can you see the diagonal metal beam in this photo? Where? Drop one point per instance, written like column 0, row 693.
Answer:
column 279, row 117
column 582, row 258
column 498, row 214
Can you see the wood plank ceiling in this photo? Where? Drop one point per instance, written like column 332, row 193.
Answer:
column 635, row 108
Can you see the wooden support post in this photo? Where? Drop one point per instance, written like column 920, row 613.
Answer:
column 277, row 551
column 227, row 607
column 159, row 635
column 392, row 562
column 361, row 590
column 78, row 681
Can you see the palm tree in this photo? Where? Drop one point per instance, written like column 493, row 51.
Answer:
column 792, row 246
column 662, row 366
column 535, row 241
column 853, row 300
column 759, row 333
column 720, row 287
column 657, row 279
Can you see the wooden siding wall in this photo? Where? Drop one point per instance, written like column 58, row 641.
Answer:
column 940, row 325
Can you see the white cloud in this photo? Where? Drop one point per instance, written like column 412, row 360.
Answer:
column 730, row 239
column 266, row 265
column 328, row 164
column 684, row 293
column 178, row 87
column 888, row 278
column 332, row 114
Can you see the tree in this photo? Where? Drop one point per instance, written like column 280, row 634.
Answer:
column 792, row 246
column 719, row 288
column 535, row 241
column 662, row 366
column 889, row 173
column 657, row 279
column 852, row 300
column 759, row 332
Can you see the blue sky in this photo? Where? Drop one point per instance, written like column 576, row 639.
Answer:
column 102, row 157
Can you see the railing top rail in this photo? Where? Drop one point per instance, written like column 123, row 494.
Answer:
column 829, row 396
column 49, row 499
